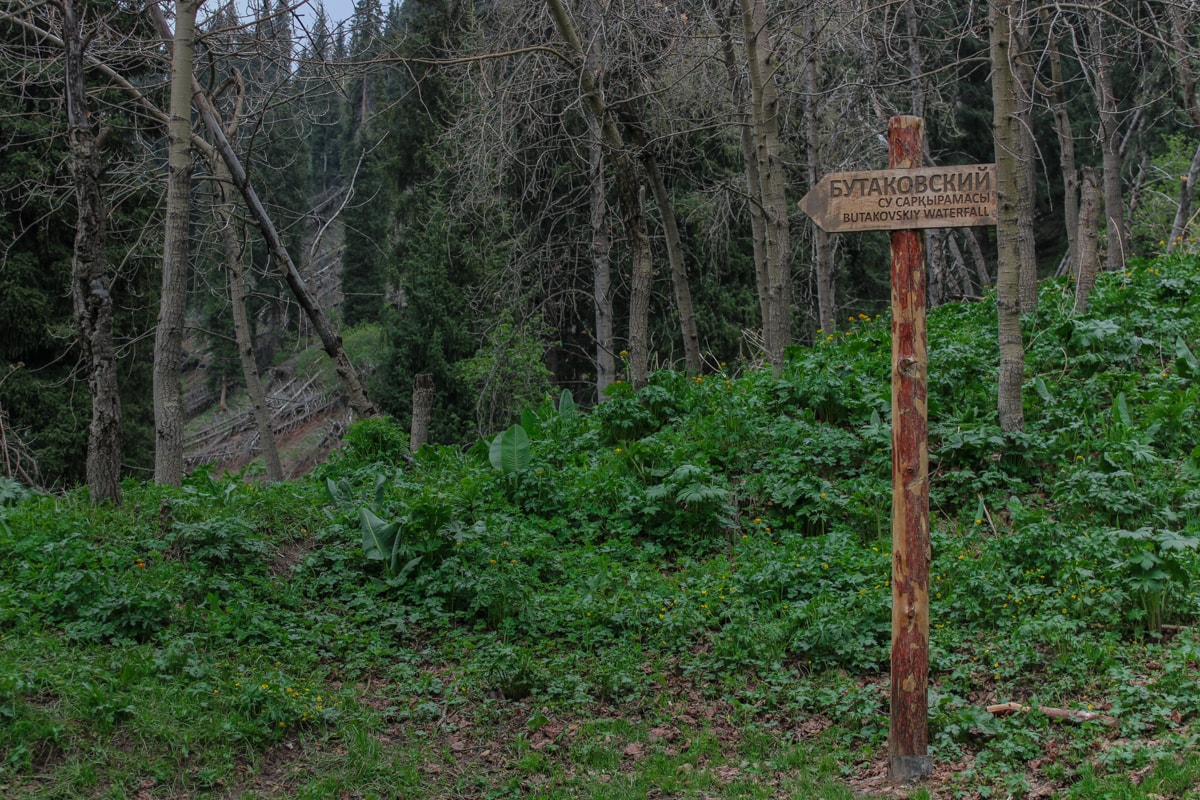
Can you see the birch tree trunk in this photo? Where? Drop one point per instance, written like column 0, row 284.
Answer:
column 771, row 194
column 1023, row 84
column 606, row 367
column 1089, row 257
column 168, row 336
column 1066, row 140
column 822, row 246
column 1110, row 142
column 243, row 335
column 1008, row 278
column 758, row 232
column 679, row 275
column 90, row 281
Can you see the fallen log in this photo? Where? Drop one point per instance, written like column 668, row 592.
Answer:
column 1063, row 714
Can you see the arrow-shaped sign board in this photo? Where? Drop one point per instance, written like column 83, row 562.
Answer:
column 904, row 199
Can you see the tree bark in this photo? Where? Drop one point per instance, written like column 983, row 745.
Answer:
column 1008, row 277
column 768, row 154
column 1087, row 236
column 1066, row 140
column 241, row 326
column 1110, row 144
column 758, row 229
column 168, row 338
column 422, row 410
column 1023, row 83
column 679, row 274
column 824, row 267
column 606, row 366
column 1182, row 17
column 91, row 286
column 908, row 739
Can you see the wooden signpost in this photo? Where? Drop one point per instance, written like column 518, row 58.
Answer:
column 904, row 199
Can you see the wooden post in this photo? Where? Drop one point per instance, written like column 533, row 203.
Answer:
column 422, row 410
column 908, row 740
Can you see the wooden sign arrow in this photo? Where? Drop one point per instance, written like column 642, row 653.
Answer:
column 904, row 199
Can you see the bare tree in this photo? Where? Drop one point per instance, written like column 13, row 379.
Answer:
column 235, row 267
column 768, row 183
column 91, row 283
column 1184, row 22
column 823, row 263
column 1088, row 264
column 330, row 339
column 1056, row 94
column 1008, row 154
column 606, row 367
column 168, row 337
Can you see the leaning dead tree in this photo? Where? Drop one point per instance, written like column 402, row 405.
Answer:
column 223, row 150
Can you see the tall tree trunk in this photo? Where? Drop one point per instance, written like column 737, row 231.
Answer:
column 679, row 275
column 629, row 197
column 824, row 268
column 1023, row 82
column 768, row 153
column 90, row 281
column 1089, row 257
column 241, row 326
column 938, row 277
column 916, row 83
column 1110, row 142
column 1066, row 139
column 606, row 367
column 1008, row 280
column 758, row 227
column 168, row 338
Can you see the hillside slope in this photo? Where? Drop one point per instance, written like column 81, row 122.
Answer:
column 684, row 592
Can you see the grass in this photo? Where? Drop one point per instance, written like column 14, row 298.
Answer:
column 682, row 593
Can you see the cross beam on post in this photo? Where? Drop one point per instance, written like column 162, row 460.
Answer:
column 908, row 739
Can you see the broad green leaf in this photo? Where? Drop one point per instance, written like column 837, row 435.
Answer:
column 379, row 536
column 566, row 404
column 510, row 451
column 402, row 574
column 1122, row 409
column 1043, row 392
column 380, row 488
column 1185, row 359
column 530, row 422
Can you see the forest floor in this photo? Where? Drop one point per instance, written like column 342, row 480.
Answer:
column 684, row 592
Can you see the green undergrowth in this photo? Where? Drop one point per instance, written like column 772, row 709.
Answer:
column 682, row 592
